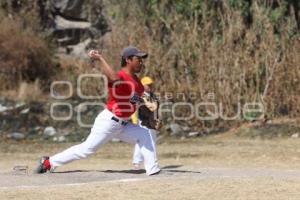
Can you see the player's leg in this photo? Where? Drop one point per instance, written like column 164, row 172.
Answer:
column 137, row 154
column 143, row 137
column 103, row 130
column 81, row 151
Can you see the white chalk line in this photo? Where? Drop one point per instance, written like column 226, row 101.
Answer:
column 79, row 184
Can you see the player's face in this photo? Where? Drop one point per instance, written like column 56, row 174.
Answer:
column 148, row 88
column 137, row 64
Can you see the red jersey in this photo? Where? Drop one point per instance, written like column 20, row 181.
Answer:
column 124, row 95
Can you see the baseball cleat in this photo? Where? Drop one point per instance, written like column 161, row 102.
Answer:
column 44, row 165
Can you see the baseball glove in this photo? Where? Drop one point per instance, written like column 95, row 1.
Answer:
column 148, row 112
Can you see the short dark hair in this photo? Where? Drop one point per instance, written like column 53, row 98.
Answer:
column 123, row 60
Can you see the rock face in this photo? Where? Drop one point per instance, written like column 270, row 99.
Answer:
column 70, row 8
column 73, row 22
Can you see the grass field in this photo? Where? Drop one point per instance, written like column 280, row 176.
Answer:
column 216, row 167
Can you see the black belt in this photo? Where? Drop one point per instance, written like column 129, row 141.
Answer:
column 124, row 123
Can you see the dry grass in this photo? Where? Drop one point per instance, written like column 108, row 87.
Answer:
column 239, row 52
column 215, row 51
column 25, row 55
column 192, row 154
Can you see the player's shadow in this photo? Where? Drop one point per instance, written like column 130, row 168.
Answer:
column 171, row 166
column 140, row 171
column 168, row 168
column 131, row 171
column 76, row 171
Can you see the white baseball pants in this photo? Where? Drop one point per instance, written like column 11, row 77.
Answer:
column 103, row 130
column 137, row 154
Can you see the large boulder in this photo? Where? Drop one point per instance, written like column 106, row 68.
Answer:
column 73, row 22
column 76, row 20
column 69, row 22
column 74, row 9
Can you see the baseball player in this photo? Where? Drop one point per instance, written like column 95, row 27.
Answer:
column 125, row 92
column 146, row 118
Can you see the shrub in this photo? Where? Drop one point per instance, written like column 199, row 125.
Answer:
column 25, row 56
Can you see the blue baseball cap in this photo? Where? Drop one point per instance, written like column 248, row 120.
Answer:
column 133, row 51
